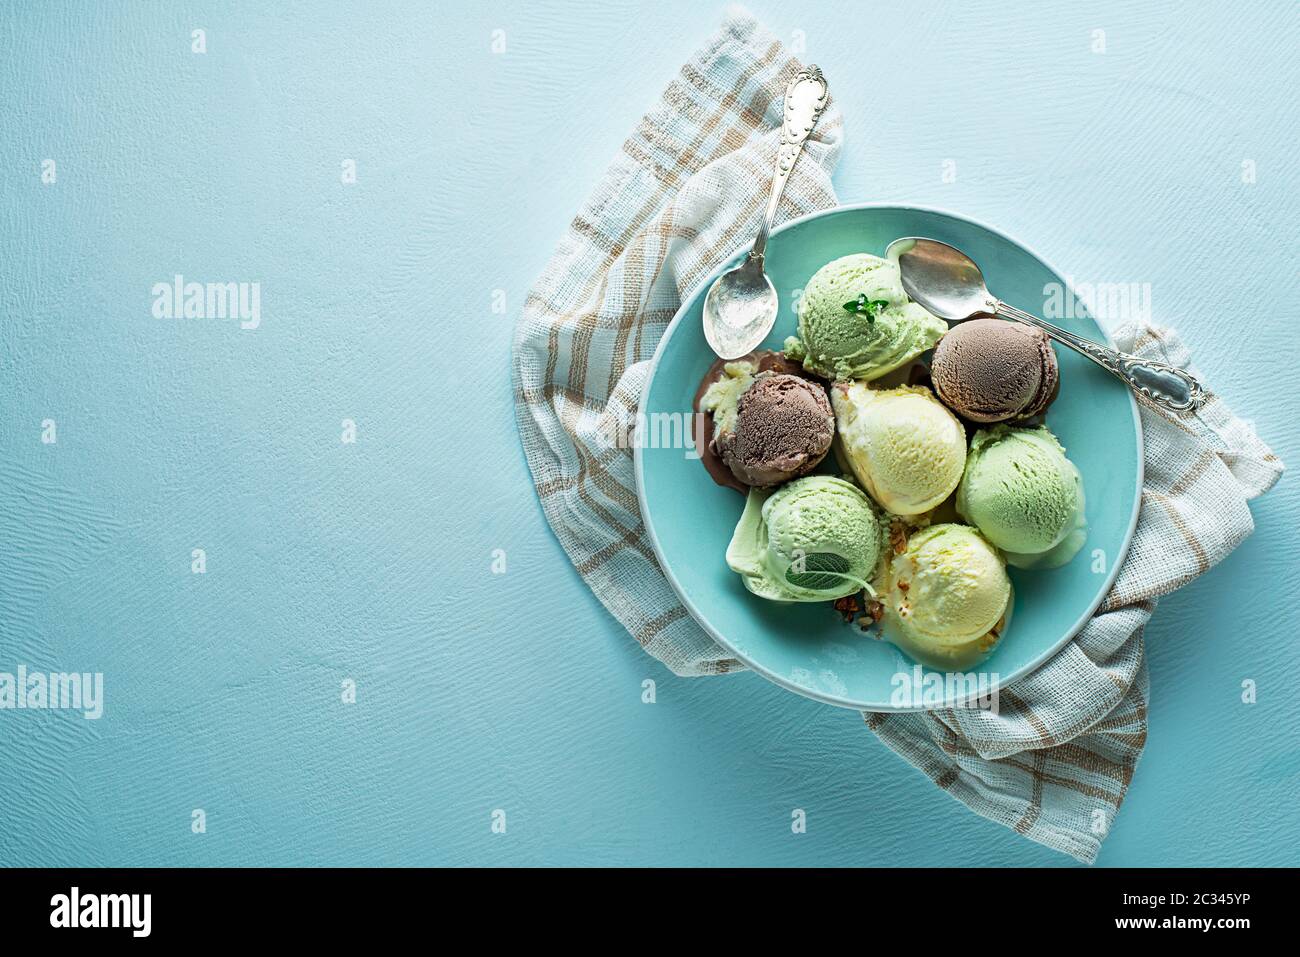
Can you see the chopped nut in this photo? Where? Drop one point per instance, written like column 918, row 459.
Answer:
column 848, row 607
column 897, row 536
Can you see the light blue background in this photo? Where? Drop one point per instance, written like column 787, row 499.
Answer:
column 372, row 561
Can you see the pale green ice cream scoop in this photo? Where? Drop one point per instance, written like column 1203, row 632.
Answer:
column 836, row 343
column 1021, row 491
column 817, row 538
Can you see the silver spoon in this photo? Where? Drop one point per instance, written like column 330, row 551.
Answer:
column 741, row 305
column 947, row 282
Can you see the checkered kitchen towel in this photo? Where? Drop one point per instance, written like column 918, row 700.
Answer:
column 683, row 193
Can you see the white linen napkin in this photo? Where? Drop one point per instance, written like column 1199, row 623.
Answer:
column 684, row 192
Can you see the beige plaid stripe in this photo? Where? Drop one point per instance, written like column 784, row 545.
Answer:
column 682, row 193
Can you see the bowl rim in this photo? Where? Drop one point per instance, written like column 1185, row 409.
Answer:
column 749, row 661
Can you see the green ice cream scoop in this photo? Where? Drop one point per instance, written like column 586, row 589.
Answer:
column 814, row 539
column 882, row 331
column 1021, row 491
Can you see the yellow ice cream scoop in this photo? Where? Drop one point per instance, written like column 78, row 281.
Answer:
column 947, row 596
column 903, row 445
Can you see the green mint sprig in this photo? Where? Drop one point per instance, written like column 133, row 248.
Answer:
column 863, row 306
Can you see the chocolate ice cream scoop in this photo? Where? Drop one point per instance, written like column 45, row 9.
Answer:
column 717, row 406
column 782, row 429
column 761, row 420
column 995, row 370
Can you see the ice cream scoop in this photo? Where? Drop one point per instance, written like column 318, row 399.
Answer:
column 1021, row 491
column 903, row 445
column 946, row 597
column 816, row 539
column 990, row 370
column 768, row 426
column 855, row 321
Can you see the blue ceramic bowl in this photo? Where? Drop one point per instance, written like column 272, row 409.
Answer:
column 806, row 647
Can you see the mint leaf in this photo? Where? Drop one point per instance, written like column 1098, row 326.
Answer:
column 819, row 571
column 867, row 307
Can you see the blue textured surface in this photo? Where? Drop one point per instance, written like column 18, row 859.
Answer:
column 373, row 560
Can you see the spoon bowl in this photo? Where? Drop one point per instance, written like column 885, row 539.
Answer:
column 943, row 279
column 739, row 310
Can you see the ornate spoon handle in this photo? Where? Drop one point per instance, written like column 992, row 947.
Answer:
column 1164, row 385
column 805, row 99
